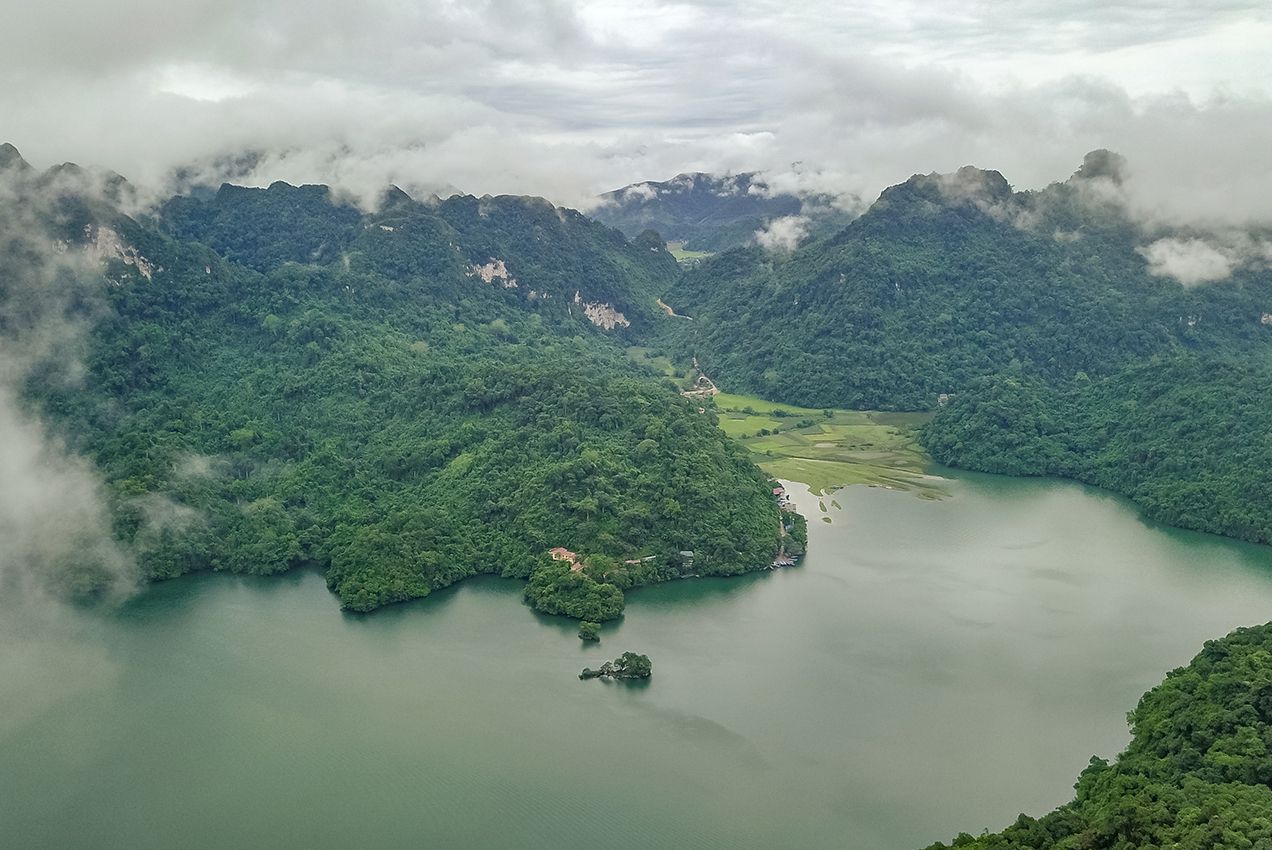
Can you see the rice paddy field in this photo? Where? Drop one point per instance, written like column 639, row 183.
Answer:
column 682, row 255
column 828, row 449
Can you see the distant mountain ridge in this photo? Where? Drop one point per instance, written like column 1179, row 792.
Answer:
column 713, row 213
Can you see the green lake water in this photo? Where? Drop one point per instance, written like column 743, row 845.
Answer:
column 932, row 667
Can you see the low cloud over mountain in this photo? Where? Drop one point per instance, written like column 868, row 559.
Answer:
column 567, row 99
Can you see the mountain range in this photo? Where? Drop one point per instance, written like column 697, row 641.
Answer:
column 711, row 213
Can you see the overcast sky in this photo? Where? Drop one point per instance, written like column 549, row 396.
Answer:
column 568, row 98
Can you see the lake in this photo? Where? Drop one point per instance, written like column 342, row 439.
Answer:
column 932, row 667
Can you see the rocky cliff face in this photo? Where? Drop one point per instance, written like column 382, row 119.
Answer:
column 602, row 315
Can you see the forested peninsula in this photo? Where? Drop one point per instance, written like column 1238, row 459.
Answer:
column 270, row 379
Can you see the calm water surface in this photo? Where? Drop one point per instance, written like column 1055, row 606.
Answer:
column 932, row 667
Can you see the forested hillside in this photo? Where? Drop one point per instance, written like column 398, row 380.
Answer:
column 269, row 379
column 1187, row 440
column 950, row 278
column 553, row 260
column 1197, row 773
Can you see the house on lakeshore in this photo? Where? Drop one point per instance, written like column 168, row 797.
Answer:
column 560, row 553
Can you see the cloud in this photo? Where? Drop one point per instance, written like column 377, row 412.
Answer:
column 639, row 192
column 782, row 234
column 1189, row 261
column 47, row 656
column 568, row 98
column 55, row 535
column 56, row 544
column 55, row 530
column 1195, row 260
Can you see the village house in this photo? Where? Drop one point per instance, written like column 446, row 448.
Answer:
column 560, row 553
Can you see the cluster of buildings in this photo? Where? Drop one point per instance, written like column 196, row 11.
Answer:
column 560, row 553
column 783, row 501
column 575, row 560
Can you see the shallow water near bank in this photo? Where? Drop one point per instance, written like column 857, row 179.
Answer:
column 933, row 666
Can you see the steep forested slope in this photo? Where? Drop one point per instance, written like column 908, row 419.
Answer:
column 1197, row 774
column 553, row 260
column 272, row 380
column 1188, row 440
column 949, row 278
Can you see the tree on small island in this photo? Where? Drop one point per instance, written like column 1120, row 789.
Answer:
column 629, row 665
column 589, row 630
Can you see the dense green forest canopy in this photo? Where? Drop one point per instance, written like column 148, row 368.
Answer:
column 559, row 253
column 1186, row 439
column 950, row 278
column 273, row 379
column 1197, row 773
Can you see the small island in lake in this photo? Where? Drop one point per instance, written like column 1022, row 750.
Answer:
column 629, row 665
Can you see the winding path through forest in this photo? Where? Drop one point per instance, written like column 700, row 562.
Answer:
column 703, row 386
column 670, row 312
